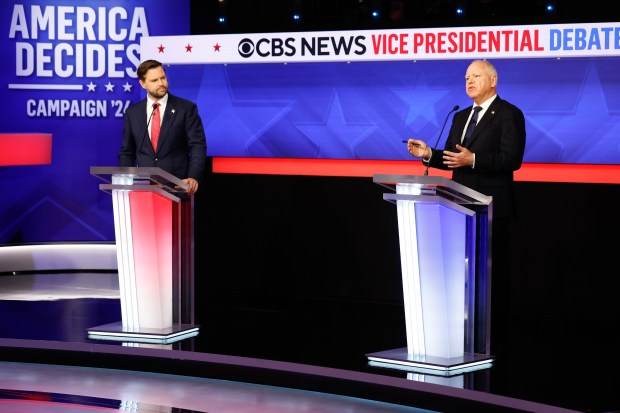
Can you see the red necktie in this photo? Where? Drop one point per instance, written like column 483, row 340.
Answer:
column 155, row 126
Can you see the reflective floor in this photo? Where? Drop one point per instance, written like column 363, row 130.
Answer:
column 43, row 388
column 541, row 368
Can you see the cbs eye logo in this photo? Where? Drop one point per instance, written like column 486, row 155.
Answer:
column 246, row 48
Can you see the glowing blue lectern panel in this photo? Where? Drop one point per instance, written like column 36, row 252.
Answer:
column 434, row 310
column 443, row 231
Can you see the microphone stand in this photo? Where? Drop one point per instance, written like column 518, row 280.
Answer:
column 454, row 109
column 146, row 132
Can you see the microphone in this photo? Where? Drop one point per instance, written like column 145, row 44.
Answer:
column 146, row 132
column 454, row 109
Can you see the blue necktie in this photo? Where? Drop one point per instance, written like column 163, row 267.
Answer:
column 471, row 125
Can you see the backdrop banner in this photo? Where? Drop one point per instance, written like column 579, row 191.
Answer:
column 69, row 69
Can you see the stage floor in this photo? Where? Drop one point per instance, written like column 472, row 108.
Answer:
column 541, row 366
column 36, row 388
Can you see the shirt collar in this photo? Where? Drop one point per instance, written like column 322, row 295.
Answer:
column 162, row 102
column 485, row 105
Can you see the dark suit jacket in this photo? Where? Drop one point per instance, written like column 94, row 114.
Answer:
column 182, row 147
column 498, row 142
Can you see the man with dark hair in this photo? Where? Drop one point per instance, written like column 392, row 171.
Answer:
column 177, row 141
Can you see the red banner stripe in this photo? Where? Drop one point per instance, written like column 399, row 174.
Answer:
column 575, row 173
column 25, row 149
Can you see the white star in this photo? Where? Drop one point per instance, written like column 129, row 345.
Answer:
column 109, row 87
column 91, row 86
column 127, row 87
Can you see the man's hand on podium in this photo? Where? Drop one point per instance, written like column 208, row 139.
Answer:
column 192, row 185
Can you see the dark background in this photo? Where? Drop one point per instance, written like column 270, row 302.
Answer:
column 307, row 269
column 243, row 16
column 318, row 256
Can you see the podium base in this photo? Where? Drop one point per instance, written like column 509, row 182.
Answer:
column 168, row 335
column 400, row 359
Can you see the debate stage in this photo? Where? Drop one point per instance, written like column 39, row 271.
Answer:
column 48, row 363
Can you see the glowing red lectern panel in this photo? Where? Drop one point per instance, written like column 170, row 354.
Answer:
column 153, row 222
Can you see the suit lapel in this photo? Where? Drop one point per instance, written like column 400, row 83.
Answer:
column 486, row 119
column 167, row 121
column 143, row 122
column 461, row 122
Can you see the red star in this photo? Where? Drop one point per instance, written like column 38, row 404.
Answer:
column 161, row 48
column 188, row 48
column 217, row 47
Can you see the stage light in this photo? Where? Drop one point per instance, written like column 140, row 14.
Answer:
column 297, row 17
column 222, row 20
column 550, row 8
column 460, row 11
column 375, row 14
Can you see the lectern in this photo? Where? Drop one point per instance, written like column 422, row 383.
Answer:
column 154, row 229
column 444, row 233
